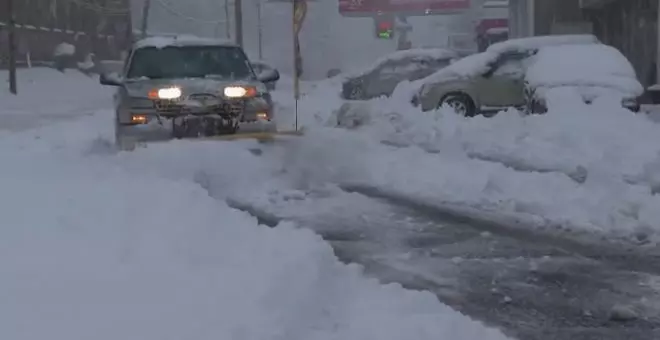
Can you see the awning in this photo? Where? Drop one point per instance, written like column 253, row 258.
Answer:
column 487, row 24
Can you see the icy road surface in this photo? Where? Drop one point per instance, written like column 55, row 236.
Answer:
column 139, row 229
column 531, row 290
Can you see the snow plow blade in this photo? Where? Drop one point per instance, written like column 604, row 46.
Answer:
column 262, row 136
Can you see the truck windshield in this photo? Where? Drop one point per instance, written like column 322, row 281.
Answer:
column 190, row 62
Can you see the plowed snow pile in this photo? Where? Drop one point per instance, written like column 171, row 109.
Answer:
column 585, row 168
column 98, row 245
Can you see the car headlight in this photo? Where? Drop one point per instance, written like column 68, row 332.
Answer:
column 240, row 91
column 168, row 93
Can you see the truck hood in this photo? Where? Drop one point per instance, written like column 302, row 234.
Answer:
column 140, row 88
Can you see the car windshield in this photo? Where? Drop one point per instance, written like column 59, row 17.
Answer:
column 190, row 62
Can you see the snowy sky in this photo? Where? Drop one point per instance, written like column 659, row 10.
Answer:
column 328, row 39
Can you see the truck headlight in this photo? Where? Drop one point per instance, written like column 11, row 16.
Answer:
column 240, row 91
column 169, row 93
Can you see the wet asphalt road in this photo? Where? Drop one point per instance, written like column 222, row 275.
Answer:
column 530, row 290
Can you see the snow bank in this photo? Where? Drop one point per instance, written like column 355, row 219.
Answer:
column 131, row 246
column 585, row 168
column 319, row 101
column 46, row 95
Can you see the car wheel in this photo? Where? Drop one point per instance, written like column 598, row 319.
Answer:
column 461, row 103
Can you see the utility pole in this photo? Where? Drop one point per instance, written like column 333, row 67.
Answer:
column 12, row 47
column 145, row 17
column 260, row 31
column 238, row 19
column 227, row 21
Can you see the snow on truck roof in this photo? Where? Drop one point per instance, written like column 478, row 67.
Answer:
column 181, row 40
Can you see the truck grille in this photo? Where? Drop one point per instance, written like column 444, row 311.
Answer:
column 202, row 96
column 224, row 108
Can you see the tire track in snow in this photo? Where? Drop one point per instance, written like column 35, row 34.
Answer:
column 616, row 253
column 529, row 288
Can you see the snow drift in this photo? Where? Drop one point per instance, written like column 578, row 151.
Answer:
column 585, row 168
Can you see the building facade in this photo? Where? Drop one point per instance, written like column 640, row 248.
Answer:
column 101, row 27
column 629, row 25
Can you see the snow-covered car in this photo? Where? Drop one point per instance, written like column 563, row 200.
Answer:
column 187, row 88
column 592, row 71
column 386, row 73
column 490, row 81
column 261, row 67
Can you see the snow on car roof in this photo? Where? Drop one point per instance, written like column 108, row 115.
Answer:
column 415, row 53
column 428, row 53
column 541, row 41
column 466, row 67
column 180, row 40
column 475, row 64
column 589, row 66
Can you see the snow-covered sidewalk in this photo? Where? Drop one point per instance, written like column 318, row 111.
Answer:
column 105, row 245
column 46, row 95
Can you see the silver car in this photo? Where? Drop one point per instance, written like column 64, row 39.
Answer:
column 188, row 88
column 491, row 81
column 385, row 74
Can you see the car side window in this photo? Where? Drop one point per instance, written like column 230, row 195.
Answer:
column 398, row 68
column 512, row 69
column 512, row 65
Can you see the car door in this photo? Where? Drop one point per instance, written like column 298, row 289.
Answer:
column 503, row 86
column 120, row 97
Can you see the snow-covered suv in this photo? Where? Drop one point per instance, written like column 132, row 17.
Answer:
column 498, row 78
